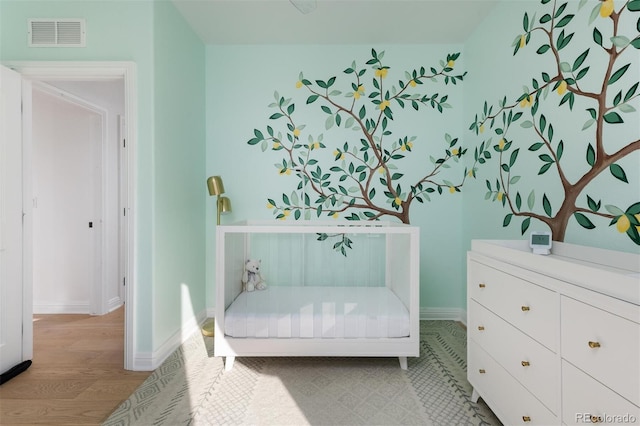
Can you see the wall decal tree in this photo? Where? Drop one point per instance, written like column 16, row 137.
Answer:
column 608, row 98
column 365, row 178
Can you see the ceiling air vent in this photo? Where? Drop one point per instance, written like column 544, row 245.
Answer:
column 56, row 33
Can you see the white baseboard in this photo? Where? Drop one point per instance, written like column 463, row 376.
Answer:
column 61, row 308
column 149, row 361
column 451, row 314
column 114, row 304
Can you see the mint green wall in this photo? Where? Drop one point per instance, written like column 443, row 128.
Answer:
column 169, row 210
column 179, row 179
column 241, row 81
column 495, row 72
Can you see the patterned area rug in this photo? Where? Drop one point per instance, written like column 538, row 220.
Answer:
column 191, row 388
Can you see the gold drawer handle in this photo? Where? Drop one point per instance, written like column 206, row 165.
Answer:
column 594, row 345
column 526, row 418
column 481, row 327
column 525, row 308
column 482, row 285
column 482, row 371
column 525, row 363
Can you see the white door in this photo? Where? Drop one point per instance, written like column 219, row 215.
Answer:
column 66, row 143
column 11, row 279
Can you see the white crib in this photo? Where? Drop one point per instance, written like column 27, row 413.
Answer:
column 318, row 302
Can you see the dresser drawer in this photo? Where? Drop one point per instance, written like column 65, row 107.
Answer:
column 532, row 364
column 529, row 307
column 604, row 344
column 514, row 405
column 583, row 397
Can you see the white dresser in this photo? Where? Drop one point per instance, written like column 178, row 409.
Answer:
column 554, row 339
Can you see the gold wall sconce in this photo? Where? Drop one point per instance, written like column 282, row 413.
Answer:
column 223, row 204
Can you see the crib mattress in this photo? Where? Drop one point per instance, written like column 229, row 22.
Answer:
column 317, row 312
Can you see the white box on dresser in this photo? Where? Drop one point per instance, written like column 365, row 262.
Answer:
column 554, row 339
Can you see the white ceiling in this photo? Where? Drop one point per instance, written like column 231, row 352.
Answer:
column 334, row 21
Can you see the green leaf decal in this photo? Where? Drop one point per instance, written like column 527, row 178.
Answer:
column 579, row 60
column 531, row 200
column 546, row 205
column 525, row 225
column 591, row 155
column 618, row 172
column 614, row 210
column 544, row 168
column 592, row 204
column 616, row 75
column 597, row 36
column 543, row 49
column 613, row 118
column 634, row 209
column 584, row 221
column 536, row 146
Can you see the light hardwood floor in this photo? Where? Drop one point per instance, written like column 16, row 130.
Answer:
column 77, row 376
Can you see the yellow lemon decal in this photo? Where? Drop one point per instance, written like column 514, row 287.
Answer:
column 381, row 72
column 470, row 174
column 316, row 145
column 523, row 41
column 410, row 144
column 298, row 84
column 381, row 170
column 526, row 102
column 500, row 196
column 481, row 129
column 296, row 132
column 383, row 105
column 335, row 215
column 356, row 95
column 269, row 205
column 562, row 88
column 398, row 201
column 606, row 9
column 452, row 189
column 276, row 145
column 451, row 63
column 287, row 212
column 501, row 144
column 455, row 151
column 623, row 224
column 412, row 83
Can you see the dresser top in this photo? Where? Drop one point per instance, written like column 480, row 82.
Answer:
column 609, row 272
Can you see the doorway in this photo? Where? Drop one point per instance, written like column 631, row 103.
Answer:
column 70, row 141
column 70, row 73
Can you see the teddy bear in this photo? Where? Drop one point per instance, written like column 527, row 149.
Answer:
column 252, row 278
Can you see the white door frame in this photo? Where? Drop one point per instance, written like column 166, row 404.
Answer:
column 87, row 71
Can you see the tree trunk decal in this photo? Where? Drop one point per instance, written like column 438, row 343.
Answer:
column 612, row 98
